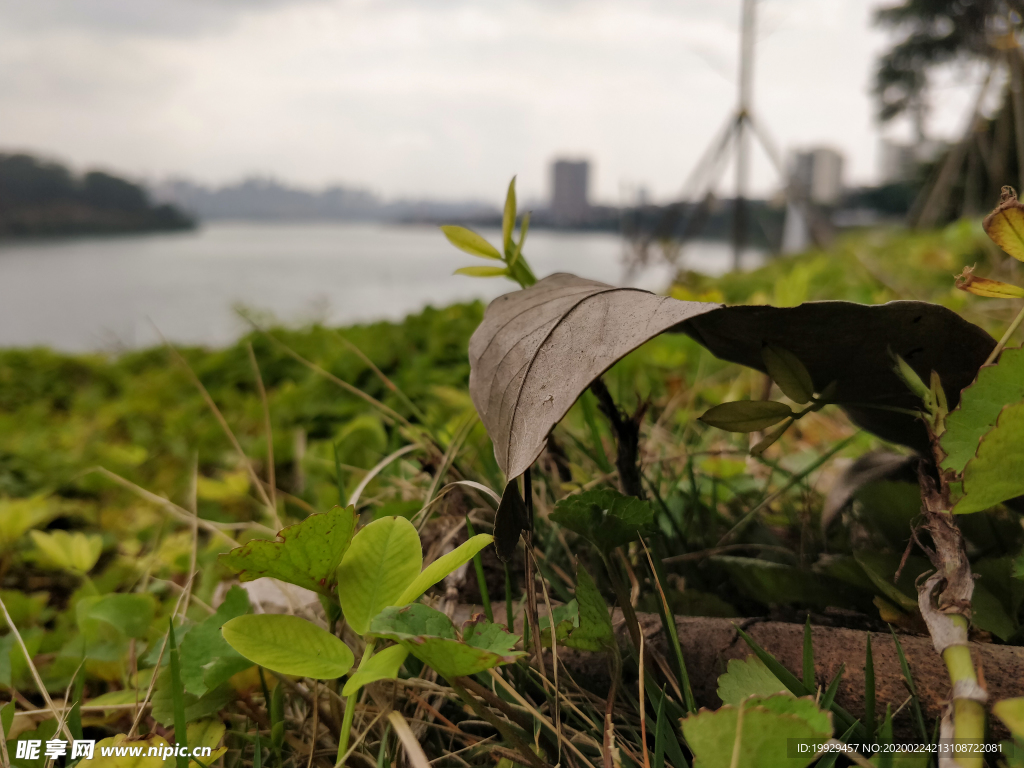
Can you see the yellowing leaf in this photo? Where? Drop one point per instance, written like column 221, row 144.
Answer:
column 1005, row 225
column 746, row 415
column 443, row 566
column 289, row 645
column 383, row 561
column 19, row 515
column 231, row 485
column 1011, row 712
column 381, row 666
column 982, row 286
column 72, row 551
column 128, row 761
column 482, row 271
column 469, row 241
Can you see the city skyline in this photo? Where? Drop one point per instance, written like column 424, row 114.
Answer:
column 379, row 96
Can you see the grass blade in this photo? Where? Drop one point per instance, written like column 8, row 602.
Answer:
column 830, row 692
column 660, row 727
column 795, row 686
column 829, row 760
column 908, row 679
column 338, row 479
column 668, row 624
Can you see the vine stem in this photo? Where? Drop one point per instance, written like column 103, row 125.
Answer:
column 1006, row 337
column 350, row 707
column 968, row 714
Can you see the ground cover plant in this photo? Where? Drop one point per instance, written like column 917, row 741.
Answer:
column 282, row 550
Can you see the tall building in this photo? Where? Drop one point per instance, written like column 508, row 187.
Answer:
column 570, row 202
column 817, row 175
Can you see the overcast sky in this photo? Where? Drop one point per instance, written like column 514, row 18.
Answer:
column 440, row 98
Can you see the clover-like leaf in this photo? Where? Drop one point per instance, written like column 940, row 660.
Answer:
column 289, row 645
column 604, row 517
column 786, row 370
column 306, row 554
column 980, row 405
column 469, row 241
column 71, row 550
column 1005, row 225
column 996, row 473
column 383, row 665
column 430, row 636
column 443, row 566
column 381, row 564
column 767, row 725
column 746, row 415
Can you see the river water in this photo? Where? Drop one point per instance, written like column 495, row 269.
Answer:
column 116, row 293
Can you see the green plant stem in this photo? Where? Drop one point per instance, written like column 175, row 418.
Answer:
column 968, row 715
column 481, row 580
column 622, row 597
column 350, row 707
column 1006, row 337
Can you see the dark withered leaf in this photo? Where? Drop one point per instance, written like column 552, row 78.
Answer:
column 509, row 521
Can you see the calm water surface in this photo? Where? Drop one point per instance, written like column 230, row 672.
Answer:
column 113, row 293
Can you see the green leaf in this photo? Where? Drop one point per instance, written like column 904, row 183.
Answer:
column 604, row 517
column 482, row 271
column 289, row 645
column 767, row 725
column 430, row 636
column 196, row 707
column 748, row 677
column 524, row 227
column 746, row 415
column 786, row 370
column 383, row 665
column 1011, row 712
column 980, row 405
column 1005, row 225
column 912, row 380
column 443, row 566
column 469, row 241
column 508, row 218
column 996, row 473
column 771, row 437
column 594, row 632
column 206, row 658
column 383, row 561
column 130, row 613
column 70, row 550
column 306, row 554
column 988, row 613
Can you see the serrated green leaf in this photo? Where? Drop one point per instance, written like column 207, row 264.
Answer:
column 980, row 405
column 604, row 517
column 196, row 707
column 594, row 632
column 289, row 645
column 1005, row 225
column 443, row 566
column 383, row 561
column 306, row 555
column 482, row 271
column 383, row 665
column 206, row 658
column 469, row 241
column 996, row 473
column 747, row 677
column 746, row 415
column 786, row 370
column 430, row 636
column 767, row 725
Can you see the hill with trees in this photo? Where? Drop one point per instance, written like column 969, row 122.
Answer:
column 39, row 197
